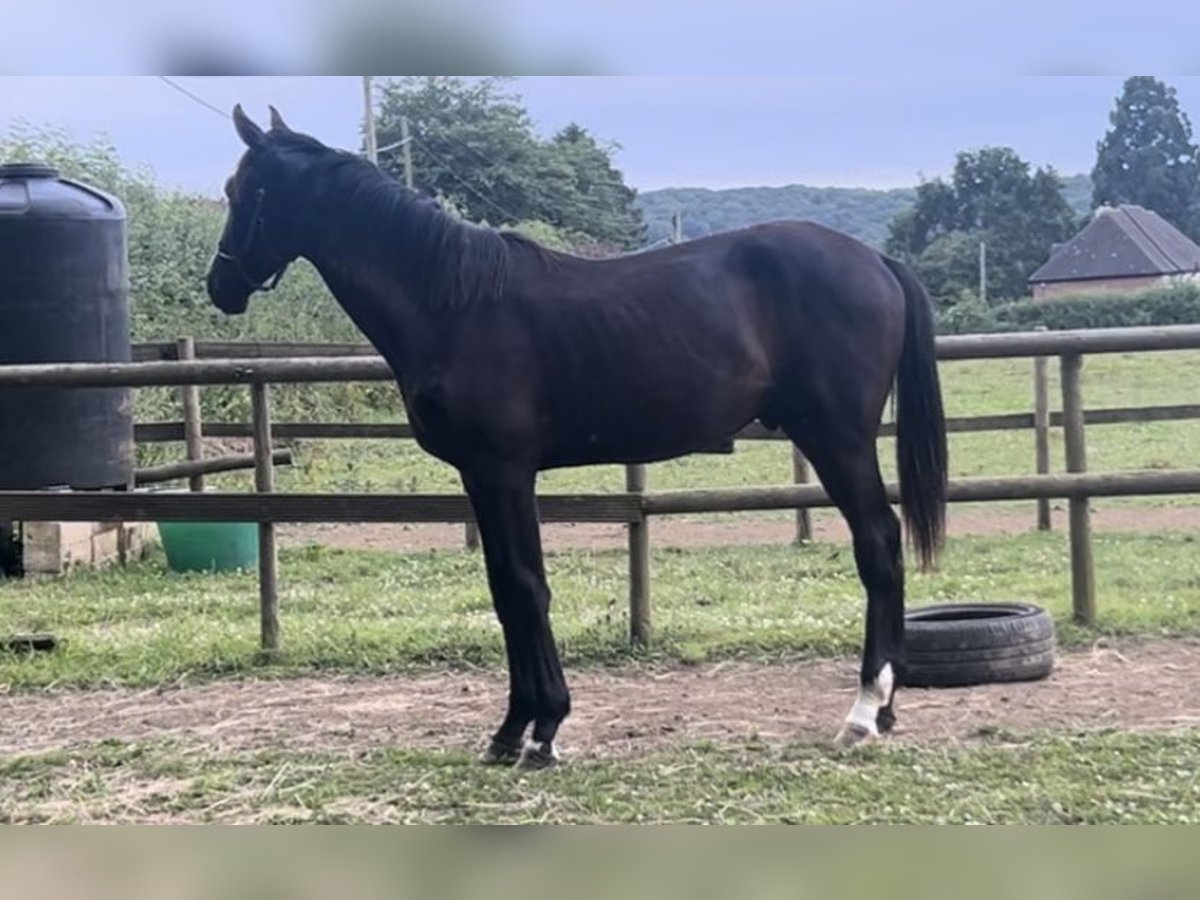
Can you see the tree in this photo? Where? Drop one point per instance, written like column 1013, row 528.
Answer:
column 933, row 212
column 474, row 144
column 1147, row 157
column 604, row 206
column 950, row 265
column 992, row 198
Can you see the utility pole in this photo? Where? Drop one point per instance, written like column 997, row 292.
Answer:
column 369, row 115
column 406, row 145
column 982, row 272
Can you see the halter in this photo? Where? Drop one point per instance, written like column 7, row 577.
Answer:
column 236, row 258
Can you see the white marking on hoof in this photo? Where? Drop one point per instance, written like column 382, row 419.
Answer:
column 852, row 734
column 538, row 755
column 860, row 725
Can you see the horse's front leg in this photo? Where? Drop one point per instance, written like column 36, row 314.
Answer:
column 508, row 527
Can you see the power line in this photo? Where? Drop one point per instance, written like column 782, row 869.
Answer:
column 599, row 182
column 220, row 112
column 488, row 200
column 467, row 146
column 402, row 143
column 411, row 139
column 167, row 81
column 394, row 145
column 661, row 242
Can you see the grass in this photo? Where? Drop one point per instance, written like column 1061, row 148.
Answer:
column 1051, row 779
column 375, row 612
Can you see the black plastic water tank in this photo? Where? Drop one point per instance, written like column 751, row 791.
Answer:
column 64, row 297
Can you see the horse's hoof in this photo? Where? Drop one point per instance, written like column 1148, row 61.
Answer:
column 538, row 755
column 501, row 753
column 855, row 734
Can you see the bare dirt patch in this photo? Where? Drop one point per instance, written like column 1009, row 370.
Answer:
column 1130, row 685
column 684, row 533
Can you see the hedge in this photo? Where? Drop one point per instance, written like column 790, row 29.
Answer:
column 1175, row 305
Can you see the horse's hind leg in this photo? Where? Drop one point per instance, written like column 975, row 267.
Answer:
column 848, row 467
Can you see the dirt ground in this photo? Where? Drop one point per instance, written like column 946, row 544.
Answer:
column 683, row 533
column 1144, row 685
column 1134, row 685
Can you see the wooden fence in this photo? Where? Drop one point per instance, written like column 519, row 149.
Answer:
column 189, row 364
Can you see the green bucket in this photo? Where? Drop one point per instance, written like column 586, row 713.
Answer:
column 210, row 546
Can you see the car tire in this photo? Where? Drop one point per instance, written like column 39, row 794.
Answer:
column 960, row 644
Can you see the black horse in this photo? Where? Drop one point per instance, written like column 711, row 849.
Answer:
column 513, row 359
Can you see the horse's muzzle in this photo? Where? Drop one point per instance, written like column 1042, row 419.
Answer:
column 226, row 289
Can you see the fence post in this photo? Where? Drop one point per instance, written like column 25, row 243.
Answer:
column 264, row 482
column 192, row 428
column 1083, row 576
column 639, row 562
column 803, row 516
column 1041, row 433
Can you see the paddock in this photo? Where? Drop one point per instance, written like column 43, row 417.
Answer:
column 636, row 504
column 176, row 721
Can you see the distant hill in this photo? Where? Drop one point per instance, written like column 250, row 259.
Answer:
column 862, row 212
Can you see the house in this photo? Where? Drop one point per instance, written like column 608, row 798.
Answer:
column 1123, row 249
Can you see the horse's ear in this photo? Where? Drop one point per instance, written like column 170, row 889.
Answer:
column 277, row 123
column 252, row 136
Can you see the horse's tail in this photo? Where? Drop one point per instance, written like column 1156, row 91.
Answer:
column 920, row 423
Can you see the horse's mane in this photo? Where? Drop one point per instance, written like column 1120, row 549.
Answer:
column 450, row 264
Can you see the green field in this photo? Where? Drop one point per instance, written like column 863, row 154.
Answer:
column 1101, row 778
column 360, row 611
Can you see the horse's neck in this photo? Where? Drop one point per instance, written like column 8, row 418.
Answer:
column 375, row 284
column 386, row 319
column 375, row 297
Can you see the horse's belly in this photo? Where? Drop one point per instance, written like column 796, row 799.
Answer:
column 645, row 435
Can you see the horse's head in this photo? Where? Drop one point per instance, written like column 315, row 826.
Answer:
column 261, row 235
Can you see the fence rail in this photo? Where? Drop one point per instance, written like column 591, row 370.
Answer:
column 963, row 490
column 188, row 364
column 955, row 346
column 156, row 351
column 218, row 506
column 164, row 432
column 298, row 370
column 618, row 507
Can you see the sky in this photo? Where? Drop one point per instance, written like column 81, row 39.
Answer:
column 710, row 131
